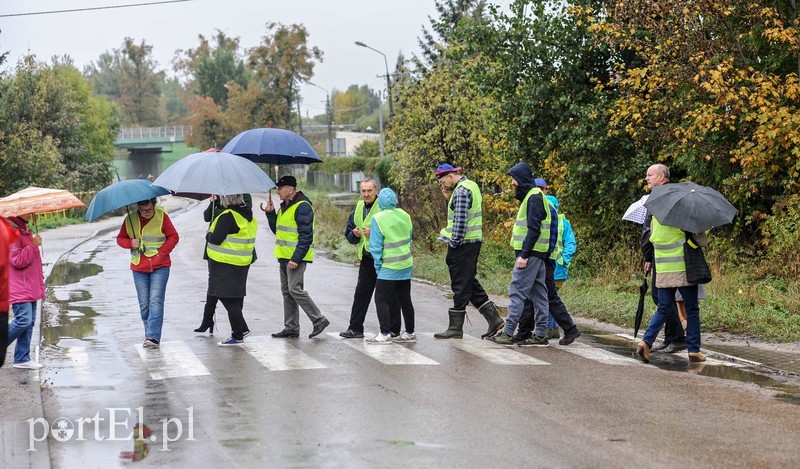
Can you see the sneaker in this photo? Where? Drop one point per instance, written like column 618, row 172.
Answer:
column 28, row 365
column 405, row 337
column 351, row 334
column 502, row 339
column 535, row 341
column 675, row 347
column 245, row 333
column 553, row 333
column 660, row 347
column 380, row 339
column 150, row 343
column 318, row 328
column 229, row 342
column 570, row 338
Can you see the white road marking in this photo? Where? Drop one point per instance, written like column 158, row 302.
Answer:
column 279, row 355
column 709, row 361
column 597, row 354
column 390, row 354
column 491, row 352
column 171, row 360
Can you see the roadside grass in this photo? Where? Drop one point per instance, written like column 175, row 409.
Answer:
column 737, row 302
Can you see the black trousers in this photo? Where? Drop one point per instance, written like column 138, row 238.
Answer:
column 234, row 307
column 211, row 308
column 554, row 303
column 673, row 330
column 363, row 294
column 392, row 297
column 462, row 263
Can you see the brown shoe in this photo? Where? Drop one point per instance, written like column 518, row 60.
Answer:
column 643, row 351
column 696, row 357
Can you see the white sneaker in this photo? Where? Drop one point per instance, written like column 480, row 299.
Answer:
column 405, row 337
column 380, row 339
column 28, row 365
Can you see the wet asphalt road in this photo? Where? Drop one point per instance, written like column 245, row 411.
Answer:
column 334, row 403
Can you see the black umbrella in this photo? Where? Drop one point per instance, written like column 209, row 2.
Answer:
column 637, row 321
column 690, row 207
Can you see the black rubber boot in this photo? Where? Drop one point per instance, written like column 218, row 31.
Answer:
column 489, row 311
column 456, row 328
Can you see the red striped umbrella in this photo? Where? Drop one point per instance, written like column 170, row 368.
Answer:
column 38, row 200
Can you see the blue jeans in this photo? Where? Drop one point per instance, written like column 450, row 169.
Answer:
column 21, row 330
column 150, row 290
column 666, row 303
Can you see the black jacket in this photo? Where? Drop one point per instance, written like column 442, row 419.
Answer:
column 523, row 174
column 304, row 217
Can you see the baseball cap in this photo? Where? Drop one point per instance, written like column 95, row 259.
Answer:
column 445, row 169
column 540, row 182
column 287, row 181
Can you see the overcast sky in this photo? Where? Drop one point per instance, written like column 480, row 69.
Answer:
column 390, row 26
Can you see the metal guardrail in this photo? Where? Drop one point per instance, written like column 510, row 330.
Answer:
column 131, row 133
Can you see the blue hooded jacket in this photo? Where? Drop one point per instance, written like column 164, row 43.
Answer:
column 387, row 201
column 523, row 174
column 570, row 245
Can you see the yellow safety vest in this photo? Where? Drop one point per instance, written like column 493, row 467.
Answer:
column 559, row 249
column 236, row 248
column 668, row 244
column 395, row 224
column 520, row 229
column 362, row 223
column 287, row 236
column 151, row 236
column 474, row 214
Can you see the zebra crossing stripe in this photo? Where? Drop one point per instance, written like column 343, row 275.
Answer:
column 597, row 354
column 171, row 360
column 279, row 355
column 739, row 363
column 493, row 353
column 391, row 354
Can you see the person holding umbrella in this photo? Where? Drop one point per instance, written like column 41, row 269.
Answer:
column 25, row 289
column 230, row 251
column 674, row 335
column 293, row 225
column 150, row 237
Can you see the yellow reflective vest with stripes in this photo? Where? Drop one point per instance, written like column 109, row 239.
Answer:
column 474, row 215
column 151, row 236
column 520, row 229
column 236, row 248
column 668, row 244
column 395, row 225
column 287, row 236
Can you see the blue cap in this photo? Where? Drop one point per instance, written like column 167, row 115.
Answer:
column 445, row 169
column 540, row 182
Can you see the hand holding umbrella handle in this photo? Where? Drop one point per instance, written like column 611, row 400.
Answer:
column 270, row 206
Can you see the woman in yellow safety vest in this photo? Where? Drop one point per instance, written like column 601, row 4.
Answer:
column 230, row 251
column 150, row 237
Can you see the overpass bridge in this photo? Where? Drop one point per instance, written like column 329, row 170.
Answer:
column 151, row 139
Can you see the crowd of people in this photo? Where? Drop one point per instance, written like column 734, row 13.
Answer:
column 542, row 239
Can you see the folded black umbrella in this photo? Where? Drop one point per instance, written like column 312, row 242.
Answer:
column 637, row 321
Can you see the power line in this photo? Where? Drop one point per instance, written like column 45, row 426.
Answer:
column 93, row 8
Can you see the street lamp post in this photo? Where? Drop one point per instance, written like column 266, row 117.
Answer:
column 388, row 77
column 328, row 110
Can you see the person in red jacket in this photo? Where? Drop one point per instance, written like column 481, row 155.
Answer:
column 25, row 289
column 150, row 236
column 7, row 237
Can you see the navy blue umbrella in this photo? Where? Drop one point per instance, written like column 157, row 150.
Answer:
column 121, row 194
column 274, row 146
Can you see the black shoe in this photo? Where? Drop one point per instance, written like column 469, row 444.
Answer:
column 284, row 334
column 245, row 333
column 676, row 347
column 351, row 334
column 569, row 337
column 318, row 328
column 660, row 347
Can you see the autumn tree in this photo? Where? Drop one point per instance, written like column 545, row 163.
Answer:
column 209, row 67
column 129, row 77
column 280, row 63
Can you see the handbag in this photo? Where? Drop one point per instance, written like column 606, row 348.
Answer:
column 697, row 270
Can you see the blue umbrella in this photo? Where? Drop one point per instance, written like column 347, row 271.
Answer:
column 275, row 146
column 121, row 194
column 214, row 173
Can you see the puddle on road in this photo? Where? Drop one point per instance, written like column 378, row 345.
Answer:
column 60, row 318
column 789, row 388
